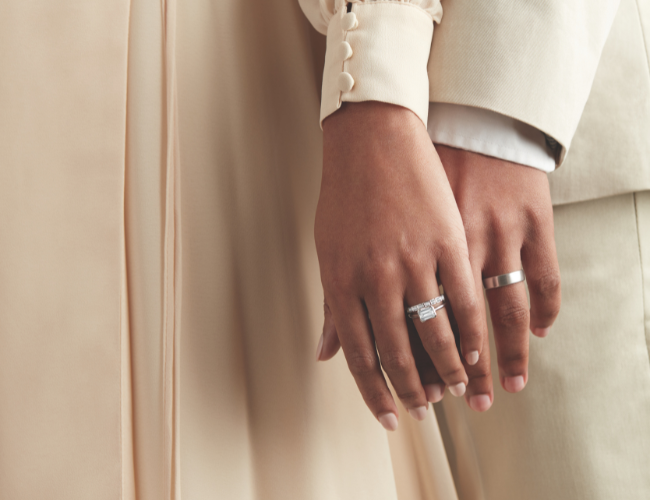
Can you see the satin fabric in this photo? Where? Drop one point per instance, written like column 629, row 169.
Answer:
column 147, row 172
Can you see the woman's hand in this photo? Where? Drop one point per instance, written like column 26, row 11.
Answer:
column 508, row 217
column 387, row 228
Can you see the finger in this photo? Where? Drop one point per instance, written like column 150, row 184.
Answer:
column 480, row 393
column 353, row 327
column 467, row 303
column 391, row 336
column 437, row 337
column 542, row 274
column 510, row 320
column 329, row 344
column 434, row 387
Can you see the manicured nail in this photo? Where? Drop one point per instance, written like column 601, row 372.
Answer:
column 480, row 402
column 458, row 389
column 434, row 392
column 472, row 357
column 319, row 349
column 388, row 421
column 514, row 384
column 541, row 332
column 419, row 413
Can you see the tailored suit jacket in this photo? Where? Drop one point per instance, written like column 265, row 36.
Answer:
column 578, row 70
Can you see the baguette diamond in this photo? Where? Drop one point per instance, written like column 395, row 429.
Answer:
column 427, row 313
column 426, row 310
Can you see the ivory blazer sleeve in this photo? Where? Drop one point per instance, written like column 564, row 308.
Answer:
column 578, row 70
column 534, row 61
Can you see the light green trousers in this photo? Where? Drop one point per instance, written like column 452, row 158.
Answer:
column 581, row 428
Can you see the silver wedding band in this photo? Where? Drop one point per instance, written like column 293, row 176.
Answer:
column 504, row 279
column 426, row 310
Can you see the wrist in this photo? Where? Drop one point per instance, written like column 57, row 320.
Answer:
column 358, row 135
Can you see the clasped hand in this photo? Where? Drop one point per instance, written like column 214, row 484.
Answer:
column 396, row 218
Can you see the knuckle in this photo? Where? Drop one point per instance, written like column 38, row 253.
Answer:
column 548, row 313
column 481, row 372
column 362, row 364
column 454, row 249
column 339, row 282
column 539, row 216
column 380, row 271
column 472, row 337
column 414, row 261
column 412, row 264
column 453, row 374
column 396, row 361
column 411, row 396
column 376, row 400
column 466, row 304
column 515, row 360
column 512, row 317
column 504, row 226
column 548, row 286
column 473, row 224
column 437, row 343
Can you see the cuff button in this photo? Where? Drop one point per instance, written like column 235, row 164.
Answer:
column 345, row 82
column 345, row 51
column 349, row 21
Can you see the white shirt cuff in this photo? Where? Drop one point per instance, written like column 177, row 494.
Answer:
column 489, row 133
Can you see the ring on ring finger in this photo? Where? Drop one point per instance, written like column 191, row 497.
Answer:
column 426, row 310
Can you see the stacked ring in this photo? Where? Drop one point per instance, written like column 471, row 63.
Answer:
column 426, row 310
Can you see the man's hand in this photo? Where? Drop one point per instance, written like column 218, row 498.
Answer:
column 508, row 217
column 387, row 229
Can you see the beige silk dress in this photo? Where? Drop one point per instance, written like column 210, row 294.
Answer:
column 160, row 300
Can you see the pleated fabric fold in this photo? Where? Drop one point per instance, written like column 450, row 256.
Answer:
column 153, row 255
column 172, row 281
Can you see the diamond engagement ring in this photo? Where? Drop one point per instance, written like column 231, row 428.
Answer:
column 504, row 279
column 426, row 310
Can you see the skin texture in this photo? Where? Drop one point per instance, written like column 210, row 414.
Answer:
column 388, row 230
column 508, row 218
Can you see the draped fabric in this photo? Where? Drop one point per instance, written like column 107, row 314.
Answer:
column 63, row 321
column 160, row 302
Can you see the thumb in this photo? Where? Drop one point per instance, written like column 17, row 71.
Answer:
column 329, row 344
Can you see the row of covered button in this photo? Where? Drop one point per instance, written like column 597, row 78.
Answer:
column 349, row 22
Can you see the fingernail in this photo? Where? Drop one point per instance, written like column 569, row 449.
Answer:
column 541, row 332
column 480, row 402
column 388, row 421
column 319, row 349
column 458, row 389
column 472, row 357
column 419, row 413
column 514, row 384
column 434, row 392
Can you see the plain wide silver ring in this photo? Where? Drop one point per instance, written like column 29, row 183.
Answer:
column 504, row 279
